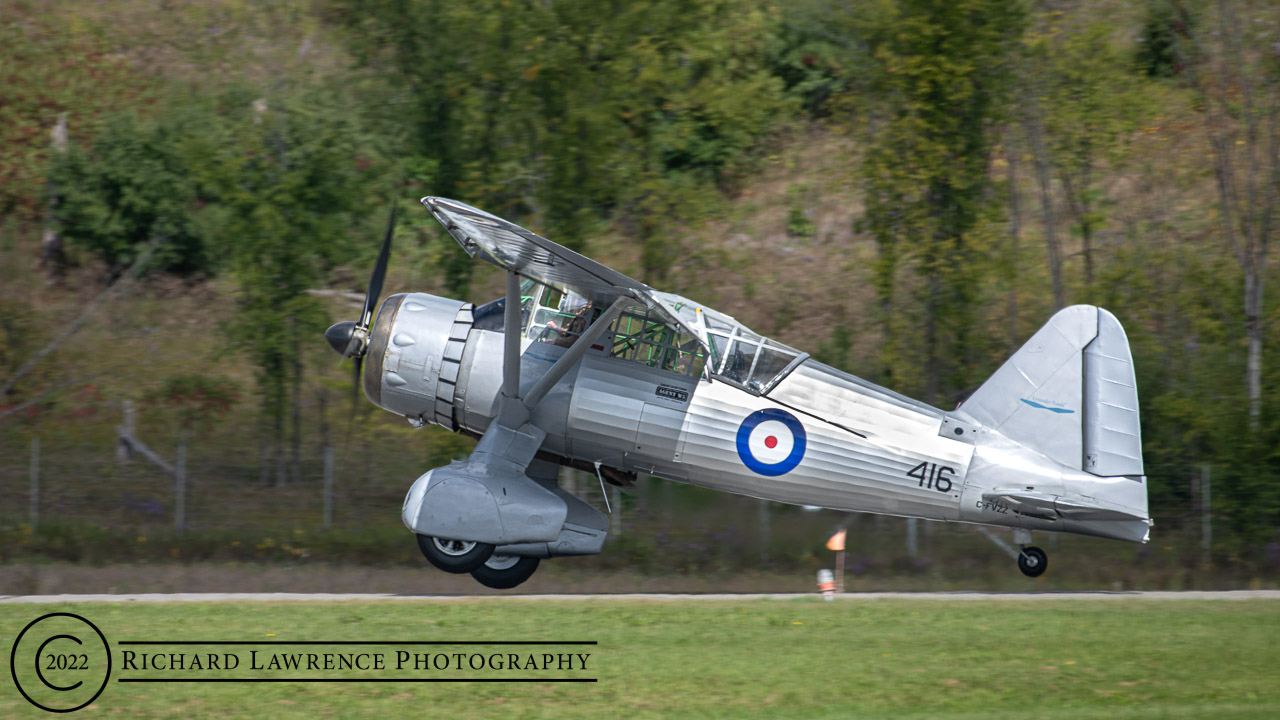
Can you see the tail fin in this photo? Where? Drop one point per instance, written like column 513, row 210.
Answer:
column 1070, row 394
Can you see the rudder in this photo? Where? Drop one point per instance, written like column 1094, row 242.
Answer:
column 1112, row 430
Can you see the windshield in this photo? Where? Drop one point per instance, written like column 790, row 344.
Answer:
column 744, row 358
column 547, row 314
column 552, row 315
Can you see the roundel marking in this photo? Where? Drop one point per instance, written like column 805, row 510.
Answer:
column 771, row 442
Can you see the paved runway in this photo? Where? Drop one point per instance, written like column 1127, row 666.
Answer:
column 365, row 597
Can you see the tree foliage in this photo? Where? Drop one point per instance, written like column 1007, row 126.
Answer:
column 133, row 185
column 1166, row 33
column 941, row 70
column 1092, row 106
column 289, row 178
column 47, row 68
column 572, row 113
column 1149, row 133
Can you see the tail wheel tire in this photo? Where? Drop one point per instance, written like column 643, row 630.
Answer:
column 1032, row 562
column 454, row 556
column 503, row 572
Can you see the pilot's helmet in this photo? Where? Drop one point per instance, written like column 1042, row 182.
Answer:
column 572, row 303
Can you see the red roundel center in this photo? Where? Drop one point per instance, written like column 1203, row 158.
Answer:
column 771, row 442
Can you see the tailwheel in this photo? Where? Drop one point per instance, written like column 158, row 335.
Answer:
column 1032, row 561
column 454, row 556
column 503, row 572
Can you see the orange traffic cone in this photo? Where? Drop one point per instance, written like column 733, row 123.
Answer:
column 827, row 584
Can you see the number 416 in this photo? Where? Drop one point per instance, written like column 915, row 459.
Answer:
column 933, row 476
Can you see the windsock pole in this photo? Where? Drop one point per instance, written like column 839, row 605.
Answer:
column 840, row 571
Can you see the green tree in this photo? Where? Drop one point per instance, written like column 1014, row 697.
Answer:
column 570, row 114
column 816, row 54
column 1234, row 69
column 691, row 85
column 1166, row 33
column 1091, row 104
column 133, row 185
column 1236, row 75
column 941, row 72
column 290, row 179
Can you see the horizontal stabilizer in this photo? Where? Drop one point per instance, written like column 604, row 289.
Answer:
column 1052, row 507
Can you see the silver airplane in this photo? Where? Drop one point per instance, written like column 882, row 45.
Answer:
column 580, row 365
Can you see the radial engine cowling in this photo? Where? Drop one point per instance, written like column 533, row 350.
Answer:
column 415, row 353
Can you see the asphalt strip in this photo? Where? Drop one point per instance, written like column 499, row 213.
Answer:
column 366, row 597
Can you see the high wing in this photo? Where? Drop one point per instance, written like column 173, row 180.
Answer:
column 530, row 255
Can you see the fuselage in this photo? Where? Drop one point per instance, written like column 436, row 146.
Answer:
column 817, row 436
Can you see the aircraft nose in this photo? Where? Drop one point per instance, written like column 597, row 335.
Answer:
column 414, row 337
column 339, row 335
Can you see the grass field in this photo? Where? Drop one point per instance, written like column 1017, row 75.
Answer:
column 720, row 658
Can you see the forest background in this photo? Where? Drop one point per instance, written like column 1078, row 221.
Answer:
column 191, row 191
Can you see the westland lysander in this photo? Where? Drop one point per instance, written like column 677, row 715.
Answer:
column 580, row 365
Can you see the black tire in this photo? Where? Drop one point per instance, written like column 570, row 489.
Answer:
column 1033, row 562
column 454, row 556
column 503, row 572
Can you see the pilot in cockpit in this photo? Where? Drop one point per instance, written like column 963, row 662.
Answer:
column 572, row 327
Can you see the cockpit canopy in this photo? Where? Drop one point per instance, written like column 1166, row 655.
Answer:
column 664, row 331
column 746, row 359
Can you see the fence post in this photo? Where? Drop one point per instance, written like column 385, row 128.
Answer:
column 124, row 451
column 328, row 487
column 762, row 508
column 668, row 504
column 616, row 525
column 34, row 496
column 180, row 488
column 1206, row 521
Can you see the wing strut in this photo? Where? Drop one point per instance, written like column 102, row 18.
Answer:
column 515, row 410
column 573, row 354
column 511, row 339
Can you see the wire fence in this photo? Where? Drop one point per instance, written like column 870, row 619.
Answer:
column 218, row 489
column 84, row 486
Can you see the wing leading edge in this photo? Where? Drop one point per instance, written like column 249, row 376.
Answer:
column 513, row 248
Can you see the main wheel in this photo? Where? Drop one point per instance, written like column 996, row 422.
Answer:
column 503, row 572
column 1033, row 562
column 455, row 556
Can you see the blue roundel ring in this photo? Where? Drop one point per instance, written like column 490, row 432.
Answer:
column 783, row 466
